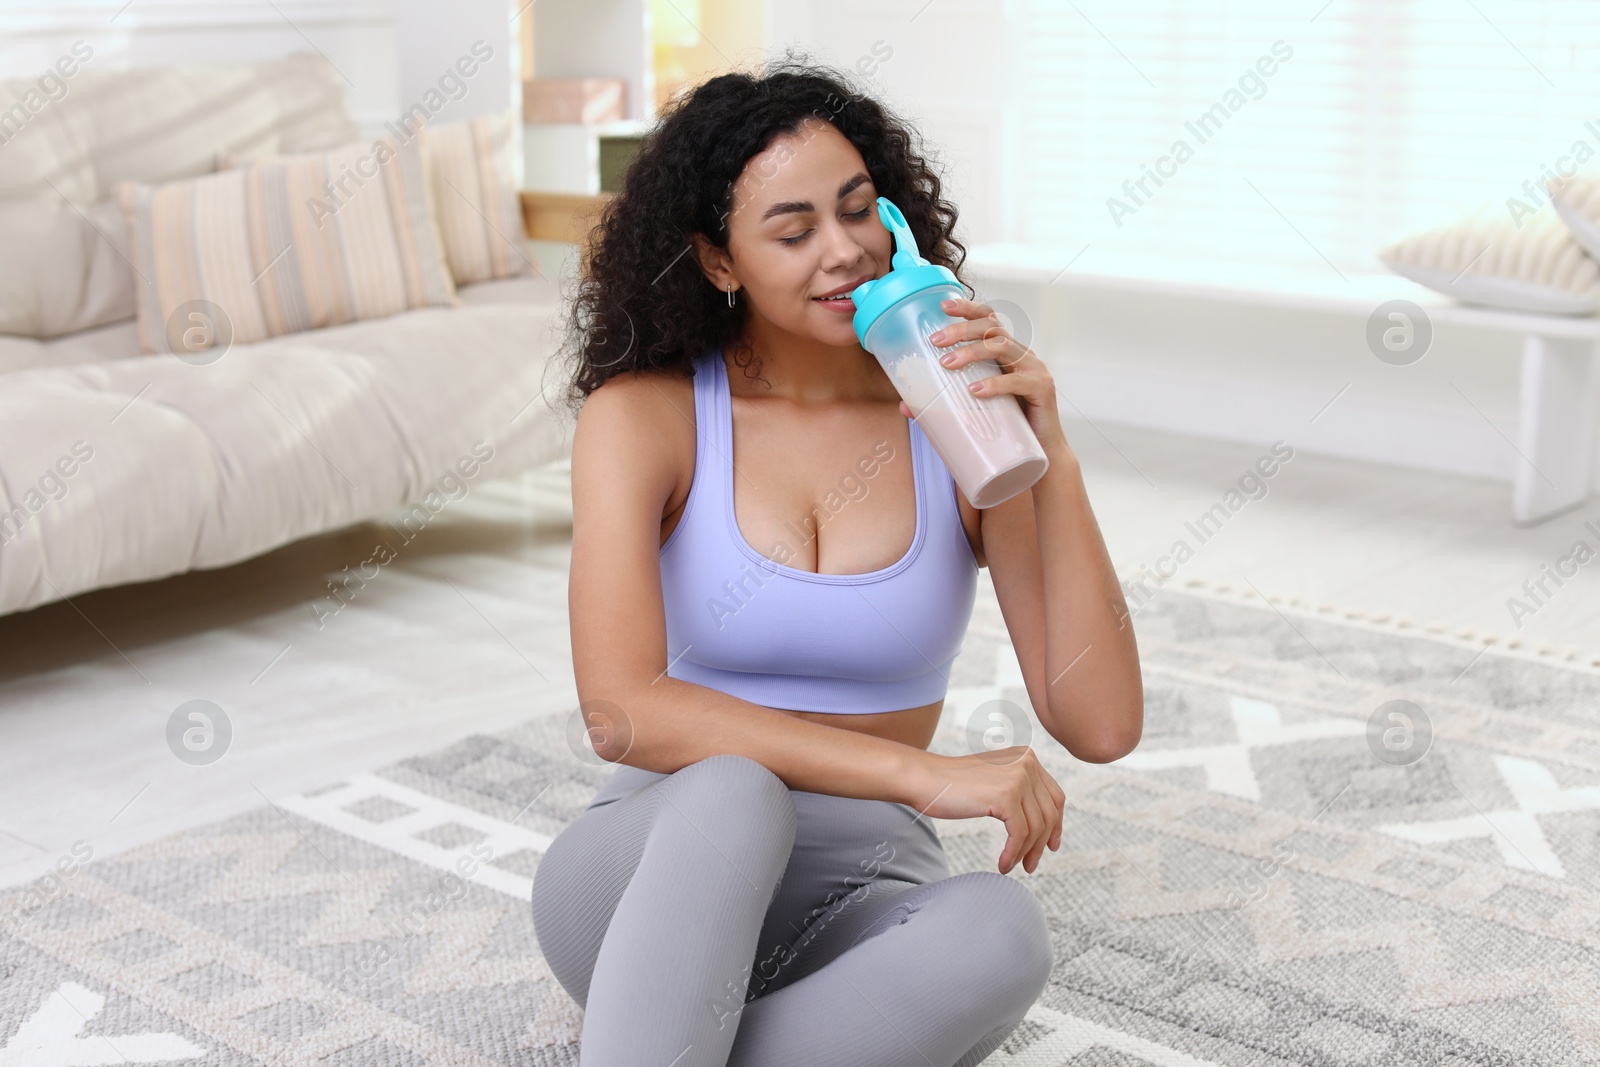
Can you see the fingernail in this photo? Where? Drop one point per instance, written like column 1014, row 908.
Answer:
column 947, row 360
column 937, row 336
column 975, row 387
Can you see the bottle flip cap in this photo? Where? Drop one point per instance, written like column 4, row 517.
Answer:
column 909, row 273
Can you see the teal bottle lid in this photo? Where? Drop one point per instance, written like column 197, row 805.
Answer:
column 909, row 273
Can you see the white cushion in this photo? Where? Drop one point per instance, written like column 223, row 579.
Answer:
column 1487, row 259
column 1577, row 203
column 118, row 340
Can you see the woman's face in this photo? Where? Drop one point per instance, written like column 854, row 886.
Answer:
column 804, row 231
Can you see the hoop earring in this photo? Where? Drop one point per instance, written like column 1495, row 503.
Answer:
column 730, row 294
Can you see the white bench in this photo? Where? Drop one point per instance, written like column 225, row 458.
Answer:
column 1555, row 432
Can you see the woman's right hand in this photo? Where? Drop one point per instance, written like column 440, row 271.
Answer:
column 1009, row 784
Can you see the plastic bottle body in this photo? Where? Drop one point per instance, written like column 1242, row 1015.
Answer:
column 985, row 441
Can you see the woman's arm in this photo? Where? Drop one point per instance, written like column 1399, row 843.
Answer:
column 675, row 723
column 1065, row 612
column 1058, row 591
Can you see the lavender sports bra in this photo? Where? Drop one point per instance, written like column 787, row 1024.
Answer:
column 782, row 637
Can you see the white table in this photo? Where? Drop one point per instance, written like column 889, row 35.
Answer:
column 1555, row 432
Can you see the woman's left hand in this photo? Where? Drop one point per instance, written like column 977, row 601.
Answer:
column 1023, row 373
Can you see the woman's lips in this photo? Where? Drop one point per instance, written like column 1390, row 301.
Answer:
column 840, row 304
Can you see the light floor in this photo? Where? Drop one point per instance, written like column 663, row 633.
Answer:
column 466, row 630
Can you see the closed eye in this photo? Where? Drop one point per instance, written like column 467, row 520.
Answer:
column 852, row 215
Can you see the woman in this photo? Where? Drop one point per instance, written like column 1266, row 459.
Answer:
column 759, row 881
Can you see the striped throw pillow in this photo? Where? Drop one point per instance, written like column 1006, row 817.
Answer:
column 475, row 197
column 1487, row 259
column 285, row 244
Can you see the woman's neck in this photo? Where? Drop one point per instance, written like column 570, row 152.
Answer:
column 809, row 372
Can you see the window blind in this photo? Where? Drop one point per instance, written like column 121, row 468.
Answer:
column 1385, row 117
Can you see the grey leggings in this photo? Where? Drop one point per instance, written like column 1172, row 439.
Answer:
column 715, row 917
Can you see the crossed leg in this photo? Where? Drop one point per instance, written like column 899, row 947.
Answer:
column 651, row 908
column 902, row 963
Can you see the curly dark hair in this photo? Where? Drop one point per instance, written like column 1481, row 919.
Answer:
column 642, row 302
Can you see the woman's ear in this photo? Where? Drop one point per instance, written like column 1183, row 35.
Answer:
column 715, row 262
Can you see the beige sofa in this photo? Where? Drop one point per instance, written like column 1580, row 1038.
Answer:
column 119, row 467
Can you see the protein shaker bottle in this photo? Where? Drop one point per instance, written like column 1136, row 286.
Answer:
column 985, row 441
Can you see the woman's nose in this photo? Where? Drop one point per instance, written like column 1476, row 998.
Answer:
column 839, row 248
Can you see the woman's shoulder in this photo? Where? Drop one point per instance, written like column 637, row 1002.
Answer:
column 643, row 417
column 642, row 394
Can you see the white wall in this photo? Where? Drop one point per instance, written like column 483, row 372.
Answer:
column 357, row 36
column 1182, row 365
column 441, row 49
column 946, row 71
column 597, row 39
column 389, row 52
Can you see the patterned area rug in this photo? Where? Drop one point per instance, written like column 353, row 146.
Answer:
column 1334, row 846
